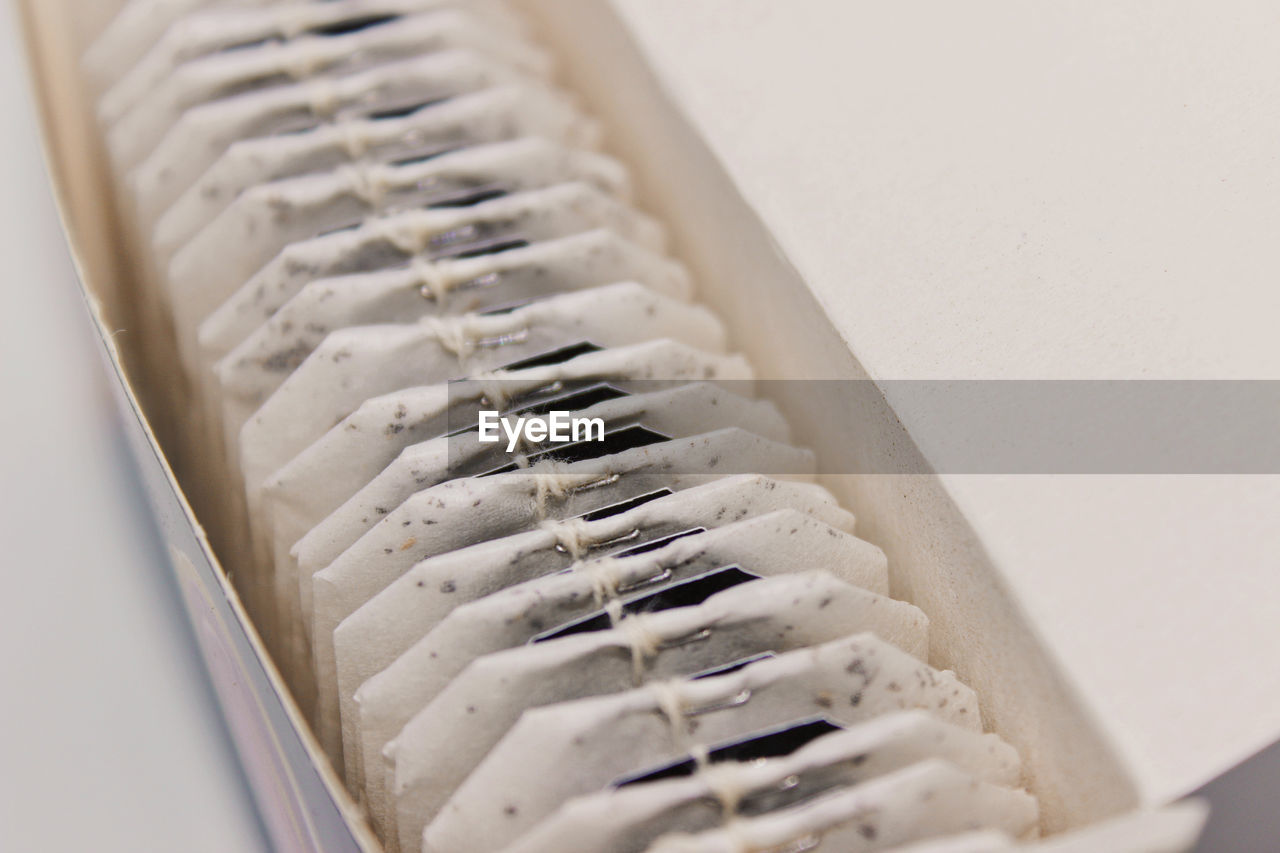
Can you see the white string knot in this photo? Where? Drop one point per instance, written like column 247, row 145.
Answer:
column 670, row 701
column 454, row 334
column 407, row 235
column 300, row 61
column 552, row 482
column 367, row 182
column 431, row 280
column 724, row 781
column 354, row 138
column 572, row 535
column 323, row 98
column 644, row 642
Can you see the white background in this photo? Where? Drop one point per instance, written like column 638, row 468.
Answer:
column 111, row 739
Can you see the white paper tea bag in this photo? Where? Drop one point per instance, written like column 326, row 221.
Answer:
column 675, row 411
column 491, row 115
column 372, row 638
column 777, row 543
column 261, row 362
column 416, row 237
column 205, row 132
column 262, row 221
column 229, row 27
column 320, row 479
column 459, row 513
column 705, row 795
column 427, row 463
column 930, row 799
column 135, row 134
column 133, row 31
column 523, row 779
column 356, row 364
column 774, row 615
column 678, row 411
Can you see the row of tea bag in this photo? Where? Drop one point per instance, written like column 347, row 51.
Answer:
column 365, row 225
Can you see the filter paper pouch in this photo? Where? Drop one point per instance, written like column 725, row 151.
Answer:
column 442, row 288
column 414, row 238
column 627, row 818
column 678, row 411
column 776, row 543
column 521, row 781
column 373, row 637
column 261, row 222
column 774, row 615
column 321, row 478
column 463, row 512
column 208, row 31
column 205, row 132
column 492, row 115
column 356, row 364
column 132, row 32
column 930, row 799
column 135, row 134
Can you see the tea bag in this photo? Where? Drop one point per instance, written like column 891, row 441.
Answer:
column 694, row 796
column 372, row 638
column 415, row 238
column 221, row 28
column 136, row 27
column 675, row 411
column 136, row 133
column 320, row 479
column 463, row 512
column 774, row 615
column 355, row 364
column 491, row 115
column 205, row 132
column 433, row 288
column 424, row 464
column 522, row 780
column 929, row 799
column 772, row 544
column 271, row 216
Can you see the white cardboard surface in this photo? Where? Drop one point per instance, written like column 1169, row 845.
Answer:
column 996, row 190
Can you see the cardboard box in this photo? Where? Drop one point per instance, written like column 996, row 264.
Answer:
column 1081, row 766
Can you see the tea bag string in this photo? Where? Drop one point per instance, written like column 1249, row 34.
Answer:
column 368, row 182
column 645, row 643
column 454, row 334
column 724, row 781
column 670, row 701
column 551, row 481
column 572, row 535
column 300, row 61
column 323, row 98
column 432, row 281
column 354, row 138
